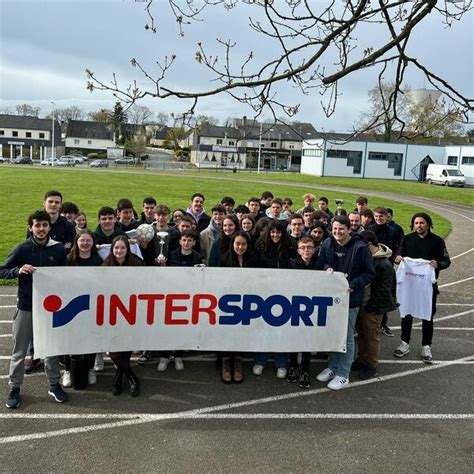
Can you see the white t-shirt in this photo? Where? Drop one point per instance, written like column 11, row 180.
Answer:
column 415, row 278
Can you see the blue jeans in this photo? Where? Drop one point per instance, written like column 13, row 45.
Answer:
column 340, row 362
column 280, row 359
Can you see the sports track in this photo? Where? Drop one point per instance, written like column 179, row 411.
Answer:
column 413, row 417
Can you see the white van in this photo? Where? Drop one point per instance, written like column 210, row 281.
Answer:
column 444, row 174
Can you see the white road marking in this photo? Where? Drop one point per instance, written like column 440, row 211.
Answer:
column 5, row 335
column 6, row 322
column 446, row 328
column 442, row 318
column 194, row 414
column 13, row 295
column 451, row 304
column 461, row 254
column 8, row 306
column 244, row 416
column 456, row 282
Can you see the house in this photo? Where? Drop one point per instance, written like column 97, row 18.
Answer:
column 87, row 137
column 29, row 136
column 246, row 144
column 339, row 155
column 160, row 135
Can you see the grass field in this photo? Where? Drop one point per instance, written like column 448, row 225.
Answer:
column 407, row 188
column 23, row 188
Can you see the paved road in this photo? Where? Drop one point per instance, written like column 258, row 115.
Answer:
column 412, row 418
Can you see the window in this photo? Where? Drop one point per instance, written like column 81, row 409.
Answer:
column 231, row 142
column 89, row 142
column 41, row 135
column 273, row 144
column 453, row 160
column 2, row 132
column 219, row 141
column 28, row 134
column 467, row 160
column 14, row 134
column 76, row 141
column 394, row 160
column 312, row 152
column 353, row 157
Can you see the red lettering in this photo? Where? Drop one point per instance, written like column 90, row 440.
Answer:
column 170, row 308
column 209, row 310
column 100, row 310
column 130, row 313
column 150, row 306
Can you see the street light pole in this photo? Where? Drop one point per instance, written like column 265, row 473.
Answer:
column 259, row 149
column 52, row 136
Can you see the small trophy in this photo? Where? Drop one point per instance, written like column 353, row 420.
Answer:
column 162, row 236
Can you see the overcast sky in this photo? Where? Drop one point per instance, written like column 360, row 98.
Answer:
column 46, row 45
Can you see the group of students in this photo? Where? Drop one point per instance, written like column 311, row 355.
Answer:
column 265, row 232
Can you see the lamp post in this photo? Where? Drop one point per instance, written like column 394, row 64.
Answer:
column 52, row 135
column 259, row 149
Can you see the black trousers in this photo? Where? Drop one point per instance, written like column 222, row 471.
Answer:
column 305, row 360
column 426, row 326
column 122, row 361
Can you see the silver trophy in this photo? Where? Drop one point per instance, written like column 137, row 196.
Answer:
column 162, row 236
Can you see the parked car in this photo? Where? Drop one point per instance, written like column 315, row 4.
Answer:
column 49, row 162
column 78, row 158
column 22, row 160
column 66, row 161
column 99, row 164
column 126, row 160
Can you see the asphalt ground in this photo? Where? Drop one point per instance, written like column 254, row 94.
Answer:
column 413, row 417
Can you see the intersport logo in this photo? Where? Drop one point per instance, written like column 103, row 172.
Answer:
column 183, row 309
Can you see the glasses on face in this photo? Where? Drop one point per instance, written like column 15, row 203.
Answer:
column 306, row 248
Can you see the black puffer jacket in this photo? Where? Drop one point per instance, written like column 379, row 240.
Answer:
column 384, row 286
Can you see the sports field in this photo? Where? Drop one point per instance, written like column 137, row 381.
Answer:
column 23, row 189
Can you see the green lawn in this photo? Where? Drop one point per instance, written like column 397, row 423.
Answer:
column 408, row 188
column 22, row 191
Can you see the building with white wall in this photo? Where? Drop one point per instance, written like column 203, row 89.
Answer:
column 89, row 136
column 329, row 155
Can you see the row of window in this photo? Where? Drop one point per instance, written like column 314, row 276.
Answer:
column 465, row 160
column 77, row 142
column 27, row 134
column 220, row 141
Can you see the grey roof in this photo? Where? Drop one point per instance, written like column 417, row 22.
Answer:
column 25, row 122
column 132, row 129
column 86, row 129
column 218, row 131
column 162, row 133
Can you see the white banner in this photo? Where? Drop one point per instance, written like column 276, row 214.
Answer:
column 81, row 310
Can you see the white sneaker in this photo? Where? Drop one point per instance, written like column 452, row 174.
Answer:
column 337, row 383
column 402, row 350
column 281, row 373
column 257, row 369
column 426, row 355
column 66, row 381
column 178, row 363
column 99, row 362
column 92, row 377
column 163, row 364
column 326, row 375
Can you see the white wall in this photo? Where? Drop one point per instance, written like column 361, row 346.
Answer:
column 95, row 144
column 312, row 165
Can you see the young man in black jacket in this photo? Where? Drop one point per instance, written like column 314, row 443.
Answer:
column 39, row 250
column 422, row 243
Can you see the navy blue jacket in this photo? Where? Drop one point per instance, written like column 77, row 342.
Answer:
column 53, row 254
column 357, row 265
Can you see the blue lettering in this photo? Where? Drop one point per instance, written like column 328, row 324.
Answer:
column 235, row 316
column 286, row 310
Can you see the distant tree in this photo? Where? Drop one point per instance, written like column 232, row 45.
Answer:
column 163, row 118
column 202, row 119
column 381, row 118
column 6, row 110
column 434, row 119
column 118, row 117
column 175, row 134
column 136, row 145
column 27, row 110
column 139, row 114
column 67, row 113
column 102, row 115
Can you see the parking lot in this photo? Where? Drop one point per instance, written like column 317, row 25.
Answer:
column 413, row 417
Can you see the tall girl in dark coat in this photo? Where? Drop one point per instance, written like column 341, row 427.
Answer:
column 239, row 255
column 121, row 256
